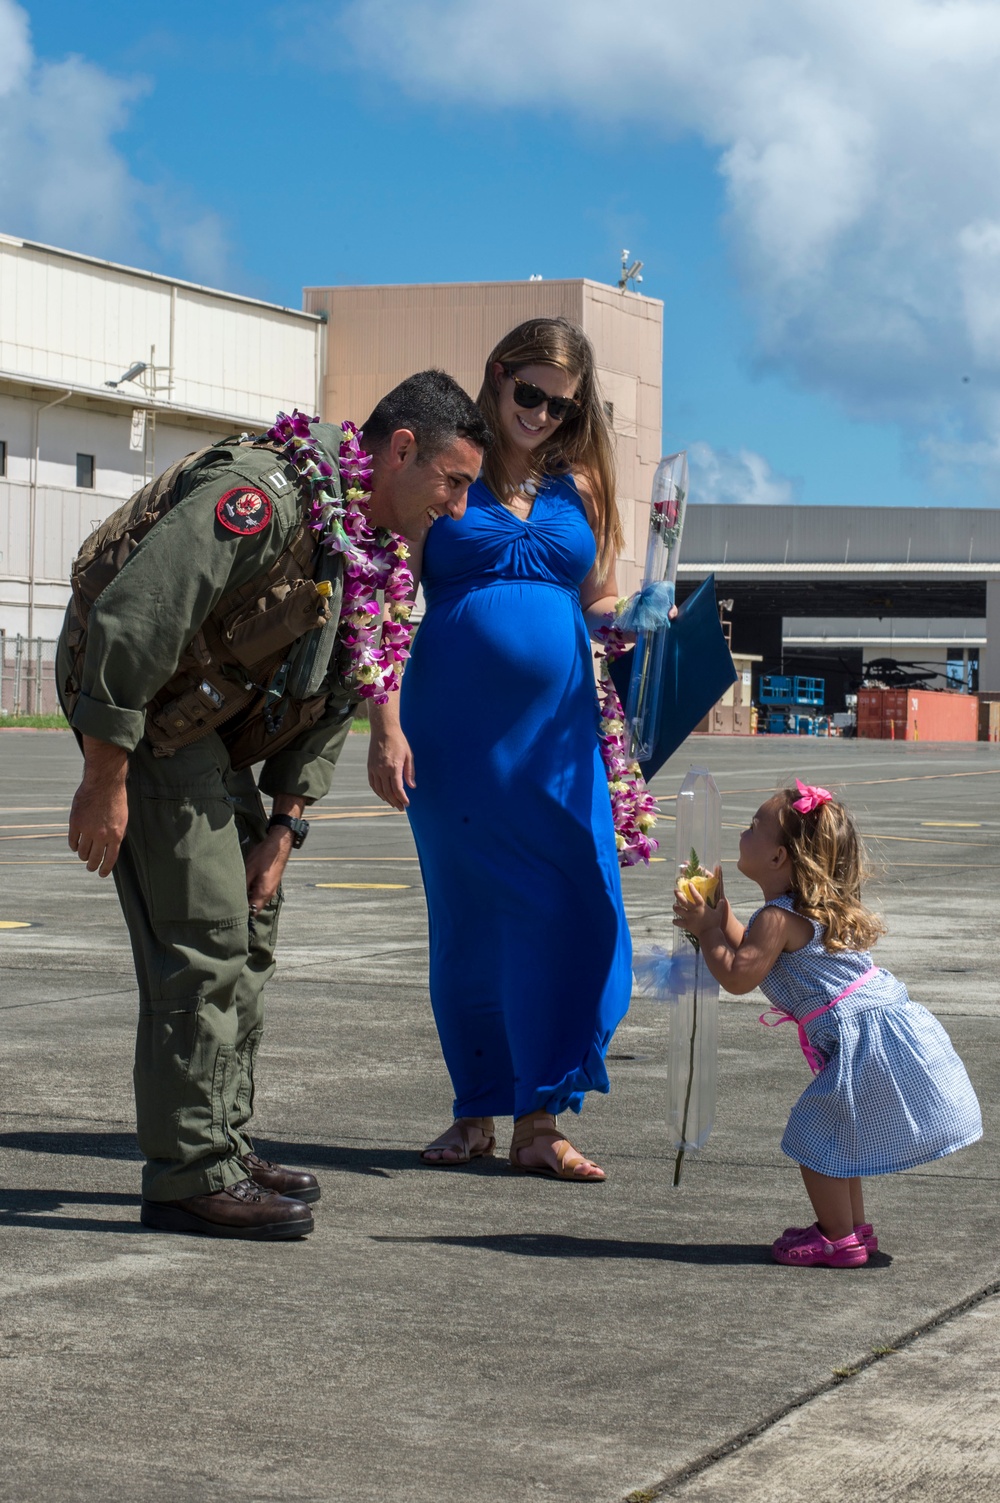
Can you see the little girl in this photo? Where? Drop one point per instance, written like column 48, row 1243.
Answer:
column 889, row 1090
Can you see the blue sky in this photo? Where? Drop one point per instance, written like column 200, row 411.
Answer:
column 266, row 147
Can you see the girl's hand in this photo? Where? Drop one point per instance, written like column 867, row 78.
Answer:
column 692, row 913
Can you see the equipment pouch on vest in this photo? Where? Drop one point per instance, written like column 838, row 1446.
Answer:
column 276, row 619
column 311, row 658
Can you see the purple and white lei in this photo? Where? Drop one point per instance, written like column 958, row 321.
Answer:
column 375, row 646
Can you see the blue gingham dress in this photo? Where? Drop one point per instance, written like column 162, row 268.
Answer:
column 893, row 1093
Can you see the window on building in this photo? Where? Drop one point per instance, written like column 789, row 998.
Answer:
column 962, row 668
column 3, row 458
column 85, row 471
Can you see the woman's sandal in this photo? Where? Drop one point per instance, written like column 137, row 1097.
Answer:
column 528, row 1130
column 458, row 1139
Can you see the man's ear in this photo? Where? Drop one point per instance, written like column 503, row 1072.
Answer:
column 401, row 448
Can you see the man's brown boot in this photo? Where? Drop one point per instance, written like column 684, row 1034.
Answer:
column 299, row 1184
column 244, row 1210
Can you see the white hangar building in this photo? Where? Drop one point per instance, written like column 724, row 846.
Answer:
column 107, row 375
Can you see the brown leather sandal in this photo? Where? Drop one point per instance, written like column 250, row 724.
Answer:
column 543, row 1125
column 458, row 1138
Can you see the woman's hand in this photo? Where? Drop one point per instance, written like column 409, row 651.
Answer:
column 390, row 765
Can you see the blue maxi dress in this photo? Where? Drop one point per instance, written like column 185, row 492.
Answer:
column 530, row 955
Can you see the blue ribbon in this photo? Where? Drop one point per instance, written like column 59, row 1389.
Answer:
column 649, row 609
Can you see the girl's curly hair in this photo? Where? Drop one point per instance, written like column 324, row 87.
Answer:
column 828, row 869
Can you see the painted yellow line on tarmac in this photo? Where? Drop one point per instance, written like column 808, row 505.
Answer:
column 37, row 825
column 927, row 840
column 368, row 886
column 40, row 809
column 951, row 824
column 59, row 834
column 351, row 860
column 14, row 924
column 352, row 814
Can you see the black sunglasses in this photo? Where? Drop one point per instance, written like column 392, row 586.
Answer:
column 529, row 397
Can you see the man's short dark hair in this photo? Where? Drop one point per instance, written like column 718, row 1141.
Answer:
column 434, row 408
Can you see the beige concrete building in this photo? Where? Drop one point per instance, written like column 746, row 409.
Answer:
column 378, row 335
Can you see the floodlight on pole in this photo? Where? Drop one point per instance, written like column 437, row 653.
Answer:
column 630, row 272
column 135, row 369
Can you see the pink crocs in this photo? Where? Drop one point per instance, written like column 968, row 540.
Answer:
column 863, row 1230
column 813, row 1250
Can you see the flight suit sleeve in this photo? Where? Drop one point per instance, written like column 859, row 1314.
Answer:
column 143, row 620
column 305, row 768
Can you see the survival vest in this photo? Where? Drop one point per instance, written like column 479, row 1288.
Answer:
column 259, row 669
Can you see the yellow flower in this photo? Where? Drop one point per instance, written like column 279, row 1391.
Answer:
column 704, row 883
column 645, row 822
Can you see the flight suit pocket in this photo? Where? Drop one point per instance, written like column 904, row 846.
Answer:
column 190, row 854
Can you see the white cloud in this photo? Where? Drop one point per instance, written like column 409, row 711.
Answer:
column 743, row 479
column 63, row 179
column 859, row 145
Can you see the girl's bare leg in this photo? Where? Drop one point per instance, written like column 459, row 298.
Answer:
column 857, row 1202
column 831, row 1200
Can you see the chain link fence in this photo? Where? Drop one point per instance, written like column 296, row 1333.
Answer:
column 27, row 675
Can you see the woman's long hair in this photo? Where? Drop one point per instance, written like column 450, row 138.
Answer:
column 828, row 869
column 581, row 443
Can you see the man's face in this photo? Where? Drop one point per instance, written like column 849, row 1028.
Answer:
column 408, row 495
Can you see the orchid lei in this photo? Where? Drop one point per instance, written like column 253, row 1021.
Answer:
column 632, row 805
column 374, row 558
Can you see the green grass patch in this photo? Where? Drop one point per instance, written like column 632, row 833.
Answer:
column 34, row 722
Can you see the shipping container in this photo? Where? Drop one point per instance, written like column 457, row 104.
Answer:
column 917, row 715
column 989, row 716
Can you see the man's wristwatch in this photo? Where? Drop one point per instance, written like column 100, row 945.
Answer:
column 298, row 827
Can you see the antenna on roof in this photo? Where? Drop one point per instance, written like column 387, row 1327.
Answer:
column 630, row 272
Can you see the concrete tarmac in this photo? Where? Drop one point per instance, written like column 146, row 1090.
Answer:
column 472, row 1336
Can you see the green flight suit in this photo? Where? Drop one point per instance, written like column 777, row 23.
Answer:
column 201, row 962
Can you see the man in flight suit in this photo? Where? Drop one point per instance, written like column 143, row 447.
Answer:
column 177, row 671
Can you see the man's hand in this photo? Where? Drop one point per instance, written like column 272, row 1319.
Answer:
column 267, row 861
column 99, row 816
column 266, row 866
column 390, row 766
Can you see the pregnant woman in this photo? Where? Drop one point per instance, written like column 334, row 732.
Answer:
column 492, row 747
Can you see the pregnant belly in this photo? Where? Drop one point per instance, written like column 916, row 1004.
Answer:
column 499, row 653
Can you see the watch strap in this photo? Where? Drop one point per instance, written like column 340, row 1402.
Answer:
column 298, row 827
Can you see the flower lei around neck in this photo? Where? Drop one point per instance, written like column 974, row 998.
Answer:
column 373, row 649
column 632, row 805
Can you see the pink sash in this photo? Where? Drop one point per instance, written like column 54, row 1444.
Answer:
column 813, row 1060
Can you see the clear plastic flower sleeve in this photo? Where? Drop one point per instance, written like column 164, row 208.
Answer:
column 692, row 1058
column 666, row 525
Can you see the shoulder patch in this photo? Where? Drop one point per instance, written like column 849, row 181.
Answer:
column 244, row 510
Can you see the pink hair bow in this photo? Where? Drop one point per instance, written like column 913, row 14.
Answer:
column 812, row 798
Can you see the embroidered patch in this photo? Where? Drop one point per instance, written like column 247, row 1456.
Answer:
column 244, row 511
column 277, row 479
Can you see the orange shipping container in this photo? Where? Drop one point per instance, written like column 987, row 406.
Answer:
column 917, row 715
